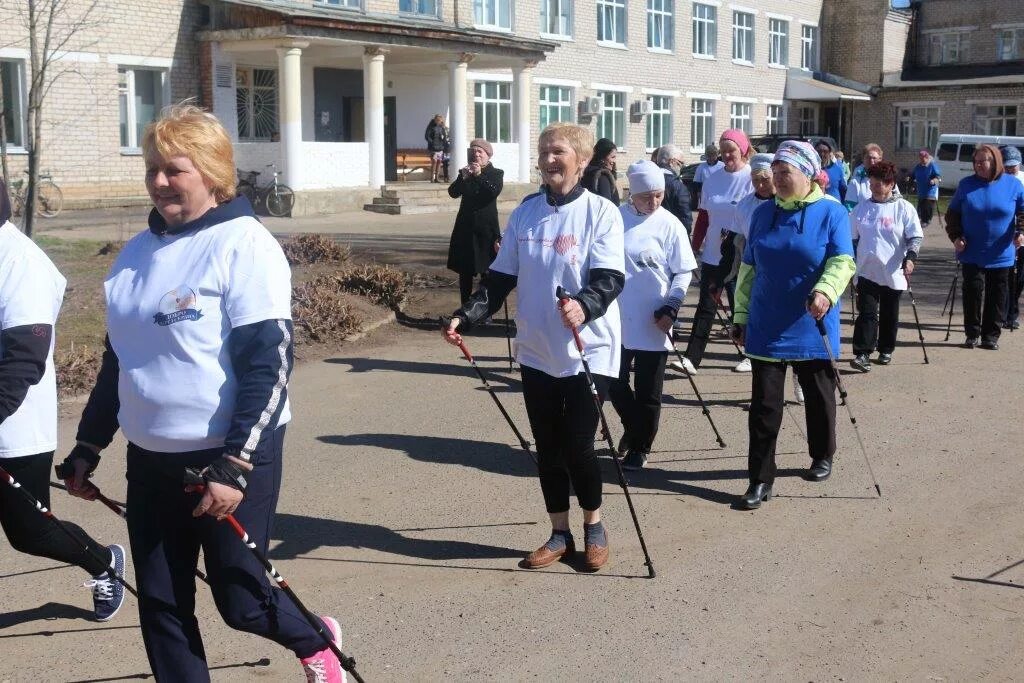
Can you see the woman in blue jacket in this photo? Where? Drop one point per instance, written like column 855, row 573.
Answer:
column 984, row 221
column 797, row 261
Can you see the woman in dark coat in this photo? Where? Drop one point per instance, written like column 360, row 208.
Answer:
column 476, row 235
column 599, row 176
column 436, row 136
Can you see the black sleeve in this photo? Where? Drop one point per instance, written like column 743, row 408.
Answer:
column 606, row 188
column 261, row 356
column 954, row 225
column 604, row 286
column 99, row 419
column 22, row 364
column 490, row 183
column 682, row 209
column 457, row 187
column 495, row 286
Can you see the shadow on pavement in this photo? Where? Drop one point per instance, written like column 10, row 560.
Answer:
column 143, row 676
column 47, row 612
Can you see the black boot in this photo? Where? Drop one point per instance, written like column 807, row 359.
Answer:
column 821, row 469
column 755, row 495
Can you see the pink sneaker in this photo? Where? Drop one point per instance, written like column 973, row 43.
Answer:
column 324, row 667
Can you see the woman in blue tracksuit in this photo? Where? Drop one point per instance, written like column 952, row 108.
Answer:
column 797, row 261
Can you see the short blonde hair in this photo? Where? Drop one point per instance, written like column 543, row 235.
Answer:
column 872, row 147
column 579, row 138
column 187, row 130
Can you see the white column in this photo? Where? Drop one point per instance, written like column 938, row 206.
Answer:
column 522, row 82
column 457, row 111
column 289, row 61
column 373, row 111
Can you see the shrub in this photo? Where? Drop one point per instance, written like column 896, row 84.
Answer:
column 77, row 368
column 311, row 248
column 382, row 285
column 319, row 312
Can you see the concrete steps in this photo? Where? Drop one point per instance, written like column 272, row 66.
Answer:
column 419, row 198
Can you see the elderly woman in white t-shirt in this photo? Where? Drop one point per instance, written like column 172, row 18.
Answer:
column 563, row 237
column 659, row 265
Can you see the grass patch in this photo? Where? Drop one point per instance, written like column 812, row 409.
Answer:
column 943, row 204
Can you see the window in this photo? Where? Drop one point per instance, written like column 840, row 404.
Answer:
column 947, row 152
column 948, row 48
column 743, row 37
column 739, row 117
column 348, row 4
column 774, row 121
column 12, row 75
column 659, row 24
column 702, row 123
column 704, row 29
column 493, row 14
column 778, row 42
column 427, row 7
column 659, row 121
column 809, row 45
column 995, row 120
column 140, row 94
column 611, row 123
column 917, row 127
column 808, row 117
column 611, row 21
column 492, row 102
column 555, row 104
column 1010, row 45
column 556, row 17
column 256, row 103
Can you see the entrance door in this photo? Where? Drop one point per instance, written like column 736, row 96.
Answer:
column 390, row 139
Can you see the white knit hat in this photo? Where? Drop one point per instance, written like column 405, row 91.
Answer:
column 645, row 176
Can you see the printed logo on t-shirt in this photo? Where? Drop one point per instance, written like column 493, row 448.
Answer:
column 647, row 259
column 177, row 305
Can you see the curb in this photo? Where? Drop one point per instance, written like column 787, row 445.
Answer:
column 370, row 327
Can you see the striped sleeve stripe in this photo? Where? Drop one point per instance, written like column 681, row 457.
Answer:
column 275, row 395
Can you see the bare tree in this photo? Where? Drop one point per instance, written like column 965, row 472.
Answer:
column 4, row 172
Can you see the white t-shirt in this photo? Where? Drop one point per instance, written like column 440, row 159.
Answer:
column 745, row 211
column 172, row 300
column 721, row 194
column 705, row 169
column 659, row 263
column 884, row 230
column 546, row 246
column 31, row 292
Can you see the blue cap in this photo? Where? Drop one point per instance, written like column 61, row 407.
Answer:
column 1011, row 155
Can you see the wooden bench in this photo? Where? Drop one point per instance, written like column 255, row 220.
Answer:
column 411, row 160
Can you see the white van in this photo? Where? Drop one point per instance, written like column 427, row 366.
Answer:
column 955, row 155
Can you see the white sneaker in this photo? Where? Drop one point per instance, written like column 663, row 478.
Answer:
column 799, row 393
column 743, row 366
column 686, row 367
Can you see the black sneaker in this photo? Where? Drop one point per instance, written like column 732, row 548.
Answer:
column 884, row 358
column 107, row 592
column 971, row 343
column 861, row 362
column 634, row 460
column 990, row 345
column 623, row 445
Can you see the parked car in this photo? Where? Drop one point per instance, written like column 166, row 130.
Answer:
column 770, row 143
column 955, row 155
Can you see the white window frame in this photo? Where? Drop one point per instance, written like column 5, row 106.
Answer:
column 810, row 56
column 611, row 123
column 1015, row 43
column 774, row 118
column 702, row 124
column 983, row 116
column 18, row 106
column 807, row 119
column 917, row 127
column 743, row 36
column 341, row 4
column 562, row 105
column 741, row 115
column 659, row 122
column 563, row 11
column 778, row 41
column 502, row 108
column 705, row 30
column 489, row 15
column 616, row 10
column 133, row 143
column 948, row 47
column 661, row 14
column 251, row 103
column 418, row 13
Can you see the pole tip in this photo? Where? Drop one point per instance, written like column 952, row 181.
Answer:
column 879, row 490
column 650, row 572
column 721, row 444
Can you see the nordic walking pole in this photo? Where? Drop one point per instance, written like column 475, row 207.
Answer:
column 920, row 333
column 563, row 297
column 693, row 384
column 952, row 301
column 6, row 476
column 843, row 396
column 725, row 321
column 508, row 336
column 949, row 295
column 195, row 482
column 522, row 441
column 117, row 507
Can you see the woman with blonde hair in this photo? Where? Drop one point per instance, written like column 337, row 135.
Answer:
column 195, row 374
column 858, row 187
column 563, row 237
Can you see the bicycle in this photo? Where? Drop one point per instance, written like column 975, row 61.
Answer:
column 49, row 197
column 277, row 197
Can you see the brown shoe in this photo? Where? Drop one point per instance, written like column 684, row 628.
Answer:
column 544, row 556
column 595, row 556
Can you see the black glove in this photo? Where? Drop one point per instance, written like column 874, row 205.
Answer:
column 737, row 331
column 667, row 310
column 66, row 469
column 223, row 471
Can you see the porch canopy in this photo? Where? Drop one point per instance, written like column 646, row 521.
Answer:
column 319, row 51
column 816, row 86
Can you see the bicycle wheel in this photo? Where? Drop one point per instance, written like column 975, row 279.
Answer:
column 280, row 200
column 246, row 190
column 50, row 199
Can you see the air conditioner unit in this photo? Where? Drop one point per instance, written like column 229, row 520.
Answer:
column 642, row 108
column 591, row 106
